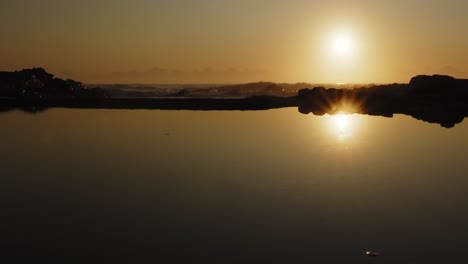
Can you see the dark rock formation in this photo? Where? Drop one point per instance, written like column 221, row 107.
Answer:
column 23, row 83
column 435, row 99
column 37, row 84
column 434, row 82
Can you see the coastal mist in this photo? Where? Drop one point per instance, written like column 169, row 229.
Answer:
column 271, row 186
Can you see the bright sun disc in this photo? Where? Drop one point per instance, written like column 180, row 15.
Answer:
column 342, row 44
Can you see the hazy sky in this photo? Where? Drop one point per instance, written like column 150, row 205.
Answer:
column 205, row 41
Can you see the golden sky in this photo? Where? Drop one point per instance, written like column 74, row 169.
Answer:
column 232, row 41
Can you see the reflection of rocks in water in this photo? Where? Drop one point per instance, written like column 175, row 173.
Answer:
column 447, row 120
column 34, row 109
column 434, row 99
column 28, row 106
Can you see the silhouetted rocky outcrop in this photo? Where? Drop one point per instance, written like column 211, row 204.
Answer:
column 37, row 84
column 435, row 99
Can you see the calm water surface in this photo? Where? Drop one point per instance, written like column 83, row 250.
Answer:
column 232, row 187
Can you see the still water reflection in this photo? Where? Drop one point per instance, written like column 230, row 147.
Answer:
column 232, row 187
column 344, row 125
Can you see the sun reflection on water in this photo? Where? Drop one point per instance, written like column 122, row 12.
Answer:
column 342, row 125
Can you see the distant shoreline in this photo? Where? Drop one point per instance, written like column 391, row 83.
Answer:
column 435, row 99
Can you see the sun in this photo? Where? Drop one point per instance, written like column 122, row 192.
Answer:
column 343, row 45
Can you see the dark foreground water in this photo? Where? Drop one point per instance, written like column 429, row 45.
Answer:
column 110, row 186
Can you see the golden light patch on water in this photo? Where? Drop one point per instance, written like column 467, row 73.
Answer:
column 343, row 126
